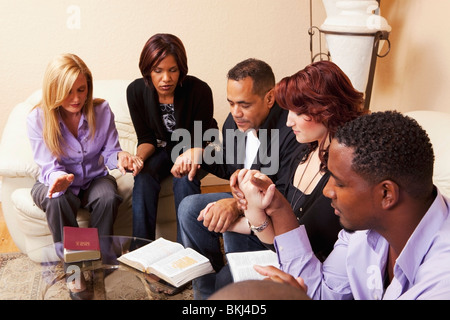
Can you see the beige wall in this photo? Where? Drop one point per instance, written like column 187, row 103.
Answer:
column 416, row 73
column 217, row 34
column 109, row 35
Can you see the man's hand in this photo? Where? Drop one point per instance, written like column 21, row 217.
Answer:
column 279, row 276
column 263, row 184
column 61, row 184
column 237, row 192
column 278, row 208
column 219, row 215
column 273, row 198
column 256, row 197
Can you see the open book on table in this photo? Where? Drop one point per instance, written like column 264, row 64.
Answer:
column 241, row 264
column 169, row 261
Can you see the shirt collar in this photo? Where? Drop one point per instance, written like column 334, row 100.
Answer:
column 420, row 240
column 417, row 246
column 372, row 238
column 83, row 121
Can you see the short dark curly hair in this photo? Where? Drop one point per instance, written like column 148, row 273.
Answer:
column 390, row 146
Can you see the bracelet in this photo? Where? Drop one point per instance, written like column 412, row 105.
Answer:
column 260, row 227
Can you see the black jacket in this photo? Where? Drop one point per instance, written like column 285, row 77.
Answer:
column 193, row 102
column 274, row 163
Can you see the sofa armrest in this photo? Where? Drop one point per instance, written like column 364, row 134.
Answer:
column 16, row 158
column 436, row 124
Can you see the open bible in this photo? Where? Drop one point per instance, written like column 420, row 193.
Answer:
column 241, row 263
column 169, row 261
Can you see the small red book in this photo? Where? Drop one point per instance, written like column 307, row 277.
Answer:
column 81, row 244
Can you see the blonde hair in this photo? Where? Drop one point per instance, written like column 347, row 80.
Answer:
column 59, row 77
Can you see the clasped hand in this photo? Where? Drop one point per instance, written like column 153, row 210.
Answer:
column 254, row 190
column 271, row 199
column 252, row 186
column 218, row 216
column 246, row 182
column 187, row 163
column 127, row 162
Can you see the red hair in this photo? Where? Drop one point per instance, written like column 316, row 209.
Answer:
column 323, row 92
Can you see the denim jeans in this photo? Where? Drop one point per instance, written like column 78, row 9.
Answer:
column 147, row 185
column 195, row 235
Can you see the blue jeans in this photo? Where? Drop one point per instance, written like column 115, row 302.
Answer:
column 195, row 235
column 147, row 185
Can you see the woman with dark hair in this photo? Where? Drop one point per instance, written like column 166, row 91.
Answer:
column 163, row 100
column 320, row 98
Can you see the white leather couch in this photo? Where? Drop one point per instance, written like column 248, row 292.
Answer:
column 25, row 221
column 437, row 125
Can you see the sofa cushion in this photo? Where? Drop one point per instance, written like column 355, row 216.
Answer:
column 437, row 125
column 32, row 220
column 17, row 157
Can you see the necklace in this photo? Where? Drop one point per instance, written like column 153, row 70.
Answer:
column 300, row 181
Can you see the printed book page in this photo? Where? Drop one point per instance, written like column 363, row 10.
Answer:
column 169, row 261
column 241, row 263
column 181, row 262
column 152, row 252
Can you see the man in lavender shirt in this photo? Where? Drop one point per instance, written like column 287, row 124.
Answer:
column 395, row 242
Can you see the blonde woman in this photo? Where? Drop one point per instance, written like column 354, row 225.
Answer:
column 74, row 140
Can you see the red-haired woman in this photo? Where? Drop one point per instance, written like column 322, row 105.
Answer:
column 320, row 98
column 163, row 100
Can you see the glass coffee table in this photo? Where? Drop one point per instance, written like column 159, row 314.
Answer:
column 106, row 278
